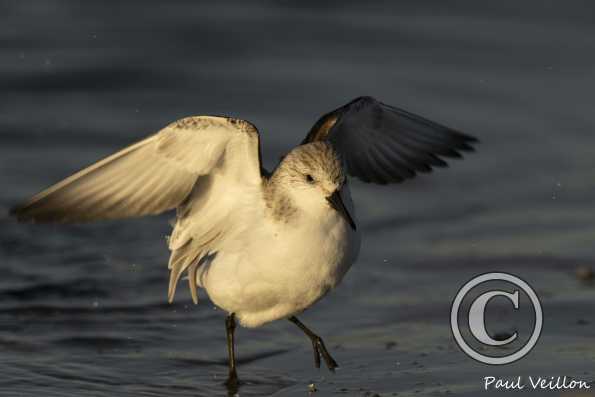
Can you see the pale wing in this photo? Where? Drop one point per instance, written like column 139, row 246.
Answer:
column 218, row 209
column 151, row 176
column 384, row 144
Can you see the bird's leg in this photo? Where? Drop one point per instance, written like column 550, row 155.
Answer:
column 317, row 345
column 230, row 326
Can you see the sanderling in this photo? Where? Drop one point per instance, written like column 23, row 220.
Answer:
column 264, row 246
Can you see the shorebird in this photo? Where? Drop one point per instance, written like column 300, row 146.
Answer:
column 264, row 246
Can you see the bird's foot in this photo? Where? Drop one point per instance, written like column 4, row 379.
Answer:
column 320, row 350
column 232, row 383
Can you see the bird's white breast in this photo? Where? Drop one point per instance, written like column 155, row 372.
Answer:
column 282, row 268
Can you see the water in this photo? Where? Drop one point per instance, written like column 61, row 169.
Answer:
column 83, row 308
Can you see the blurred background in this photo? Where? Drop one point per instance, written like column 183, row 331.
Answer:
column 83, row 308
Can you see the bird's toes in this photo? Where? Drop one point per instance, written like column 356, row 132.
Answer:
column 330, row 363
column 232, row 384
column 328, row 359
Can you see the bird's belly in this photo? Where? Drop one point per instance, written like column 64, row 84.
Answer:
column 289, row 273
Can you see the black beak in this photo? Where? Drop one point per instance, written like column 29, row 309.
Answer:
column 337, row 203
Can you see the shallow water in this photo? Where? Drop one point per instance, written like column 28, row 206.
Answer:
column 83, row 308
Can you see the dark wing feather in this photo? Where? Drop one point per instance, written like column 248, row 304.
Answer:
column 384, row 144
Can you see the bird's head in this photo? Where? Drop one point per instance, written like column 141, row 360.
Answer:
column 313, row 176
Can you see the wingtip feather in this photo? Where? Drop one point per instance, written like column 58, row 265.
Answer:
column 192, row 282
column 19, row 213
column 171, row 291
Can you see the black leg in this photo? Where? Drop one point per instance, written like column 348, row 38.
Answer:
column 317, row 345
column 232, row 380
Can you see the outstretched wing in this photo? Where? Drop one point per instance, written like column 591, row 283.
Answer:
column 384, row 144
column 151, row 176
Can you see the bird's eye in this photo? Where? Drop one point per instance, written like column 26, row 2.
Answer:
column 309, row 178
